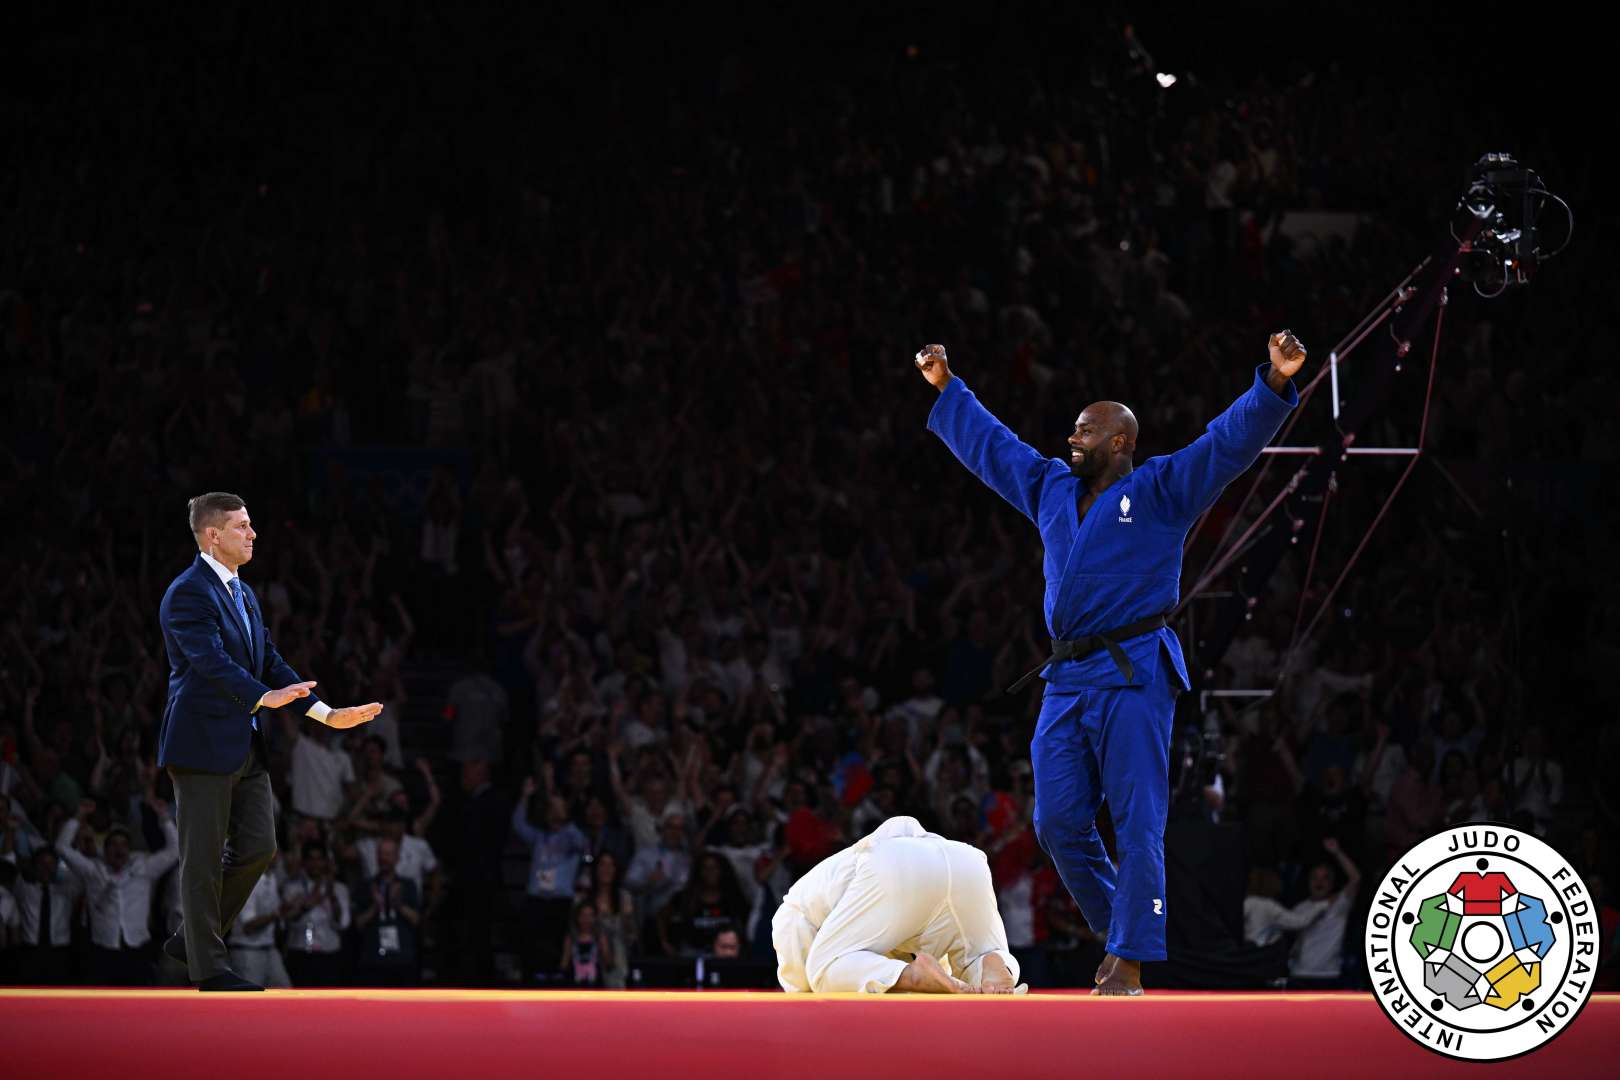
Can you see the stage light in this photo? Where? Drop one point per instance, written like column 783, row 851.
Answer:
column 1166, row 80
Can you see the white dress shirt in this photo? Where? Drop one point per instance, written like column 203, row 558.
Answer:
column 264, row 899
column 676, row 865
column 120, row 901
column 317, row 710
column 317, row 777
column 65, row 892
column 1265, row 920
column 10, row 913
column 320, row 929
column 1319, row 948
column 416, row 860
column 646, row 827
column 28, row 837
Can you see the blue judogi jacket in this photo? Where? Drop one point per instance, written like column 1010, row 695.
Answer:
column 1122, row 562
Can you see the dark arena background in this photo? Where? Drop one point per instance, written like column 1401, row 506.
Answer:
column 564, row 360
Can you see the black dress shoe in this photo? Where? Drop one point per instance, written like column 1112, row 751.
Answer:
column 175, row 949
column 227, row 980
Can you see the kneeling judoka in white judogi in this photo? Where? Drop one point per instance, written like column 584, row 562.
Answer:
column 875, row 916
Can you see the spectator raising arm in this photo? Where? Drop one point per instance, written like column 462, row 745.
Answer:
column 1352, row 875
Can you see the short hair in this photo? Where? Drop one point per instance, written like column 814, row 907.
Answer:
column 208, row 511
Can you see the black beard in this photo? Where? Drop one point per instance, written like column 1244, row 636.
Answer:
column 1086, row 467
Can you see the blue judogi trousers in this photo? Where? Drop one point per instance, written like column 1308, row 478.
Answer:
column 1113, row 744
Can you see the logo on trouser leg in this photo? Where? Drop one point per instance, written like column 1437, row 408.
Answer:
column 1158, row 906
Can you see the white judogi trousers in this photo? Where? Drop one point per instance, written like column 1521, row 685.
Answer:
column 854, row 921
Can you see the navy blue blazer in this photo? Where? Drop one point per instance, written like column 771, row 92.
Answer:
column 216, row 675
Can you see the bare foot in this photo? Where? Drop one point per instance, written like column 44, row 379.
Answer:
column 994, row 976
column 1124, row 980
column 1105, row 968
column 925, row 976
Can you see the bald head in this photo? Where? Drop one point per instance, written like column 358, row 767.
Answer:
column 1113, row 418
column 1104, row 440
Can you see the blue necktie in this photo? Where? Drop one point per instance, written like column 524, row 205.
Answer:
column 241, row 609
column 236, row 596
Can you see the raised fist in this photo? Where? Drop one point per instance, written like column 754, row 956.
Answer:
column 930, row 360
column 1287, row 353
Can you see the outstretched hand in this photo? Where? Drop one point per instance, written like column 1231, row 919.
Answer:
column 353, row 716
column 930, row 360
column 275, row 699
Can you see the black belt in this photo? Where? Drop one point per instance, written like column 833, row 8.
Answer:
column 1107, row 639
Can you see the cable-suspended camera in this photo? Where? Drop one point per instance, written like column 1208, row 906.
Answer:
column 1497, row 243
column 1507, row 200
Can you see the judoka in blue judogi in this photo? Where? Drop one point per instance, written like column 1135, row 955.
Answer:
column 1113, row 534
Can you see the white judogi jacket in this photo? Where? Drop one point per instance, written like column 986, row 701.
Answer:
column 857, row 918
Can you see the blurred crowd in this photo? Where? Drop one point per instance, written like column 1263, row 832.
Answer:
column 579, row 427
